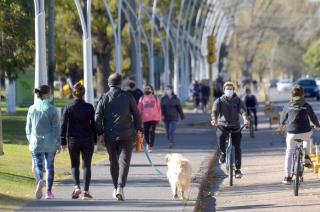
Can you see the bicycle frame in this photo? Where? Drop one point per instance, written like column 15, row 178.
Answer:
column 297, row 167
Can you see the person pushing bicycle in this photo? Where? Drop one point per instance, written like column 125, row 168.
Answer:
column 296, row 116
column 226, row 113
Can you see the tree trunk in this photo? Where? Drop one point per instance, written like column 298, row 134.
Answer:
column 103, row 71
column 133, row 49
column 11, row 96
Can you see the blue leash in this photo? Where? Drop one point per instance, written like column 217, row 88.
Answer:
column 150, row 161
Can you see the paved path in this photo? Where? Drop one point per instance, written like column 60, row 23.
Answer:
column 146, row 190
column 260, row 189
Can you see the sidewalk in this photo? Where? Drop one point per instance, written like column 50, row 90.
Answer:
column 146, row 190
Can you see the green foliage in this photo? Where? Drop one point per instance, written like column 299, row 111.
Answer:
column 16, row 36
column 312, row 57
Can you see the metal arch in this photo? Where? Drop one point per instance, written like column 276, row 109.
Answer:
column 114, row 34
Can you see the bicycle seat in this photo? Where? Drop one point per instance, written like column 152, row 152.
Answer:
column 298, row 140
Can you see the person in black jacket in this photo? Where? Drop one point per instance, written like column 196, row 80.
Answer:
column 118, row 119
column 171, row 110
column 296, row 115
column 251, row 104
column 78, row 130
column 135, row 92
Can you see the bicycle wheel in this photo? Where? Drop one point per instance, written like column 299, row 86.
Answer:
column 230, row 168
column 297, row 173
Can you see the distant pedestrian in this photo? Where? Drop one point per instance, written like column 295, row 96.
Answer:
column 171, row 110
column 78, row 131
column 118, row 120
column 195, row 94
column 204, row 95
column 150, row 110
column 43, row 134
column 135, row 92
column 251, row 104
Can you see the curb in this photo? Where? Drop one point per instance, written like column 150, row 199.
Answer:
column 206, row 200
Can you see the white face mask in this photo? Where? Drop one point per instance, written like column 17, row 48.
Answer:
column 229, row 93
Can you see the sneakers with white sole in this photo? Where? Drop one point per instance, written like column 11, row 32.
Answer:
column 120, row 194
column 38, row 191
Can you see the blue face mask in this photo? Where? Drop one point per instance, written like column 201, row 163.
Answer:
column 229, row 93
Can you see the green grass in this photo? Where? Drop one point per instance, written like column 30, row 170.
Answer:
column 16, row 177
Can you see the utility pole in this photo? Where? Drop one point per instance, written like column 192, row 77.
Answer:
column 41, row 74
column 211, row 47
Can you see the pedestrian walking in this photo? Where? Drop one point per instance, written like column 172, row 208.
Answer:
column 150, row 110
column 43, row 134
column 135, row 92
column 79, row 133
column 204, row 95
column 171, row 110
column 195, row 94
column 117, row 120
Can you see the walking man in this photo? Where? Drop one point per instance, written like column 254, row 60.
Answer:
column 117, row 121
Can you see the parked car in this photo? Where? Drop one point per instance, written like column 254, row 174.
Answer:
column 310, row 87
column 273, row 83
column 284, row 85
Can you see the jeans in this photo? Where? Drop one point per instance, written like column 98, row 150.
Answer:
column 291, row 145
column 85, row 148
column 38, row 159
column 236, row 142
column 170, row 129
column 149, row 132
column 120, row 153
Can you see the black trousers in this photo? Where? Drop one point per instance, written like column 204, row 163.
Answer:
column 149, row 132
column 254, row 111
column 120, row 153
column 85, row 148
column 236, row 142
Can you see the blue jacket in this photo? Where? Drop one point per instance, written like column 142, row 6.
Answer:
column 43, row 127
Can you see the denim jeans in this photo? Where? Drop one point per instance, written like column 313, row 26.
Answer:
column 170, row 129
column 38, row 160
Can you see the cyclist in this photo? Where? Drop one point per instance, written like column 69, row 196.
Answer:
column 226, row 113
column 251, row 104
column 296, row 115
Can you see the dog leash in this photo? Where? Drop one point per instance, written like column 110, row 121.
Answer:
column 150, row 161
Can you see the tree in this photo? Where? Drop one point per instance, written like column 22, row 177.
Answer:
column 312, row 57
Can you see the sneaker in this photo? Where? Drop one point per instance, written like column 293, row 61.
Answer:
column 120, row 194
column 222, row 158
column 150, row 150
column 238, row 174
column 308, row 162
column 148, row 147
column 38, row 191
column 114, row 193
column 49, row 195
column 287, row 181
column 87, row 196
column 75, row 194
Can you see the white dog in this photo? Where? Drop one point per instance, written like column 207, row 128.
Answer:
column 179, row 174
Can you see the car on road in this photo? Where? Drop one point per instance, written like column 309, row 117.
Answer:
column 284, row 85
column 310, row 87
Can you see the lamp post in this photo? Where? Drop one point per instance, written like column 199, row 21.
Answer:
column 87, row 49
column 41, row 74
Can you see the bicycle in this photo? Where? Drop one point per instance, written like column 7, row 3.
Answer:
column 251, row 127
column 230, row 153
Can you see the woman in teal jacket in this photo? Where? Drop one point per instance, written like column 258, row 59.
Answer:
column 43, row 134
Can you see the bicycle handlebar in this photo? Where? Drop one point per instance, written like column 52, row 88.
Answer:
column 231, row 130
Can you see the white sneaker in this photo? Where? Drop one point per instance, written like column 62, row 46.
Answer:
column 114, row 194
column 120, row 194
column 38, row 191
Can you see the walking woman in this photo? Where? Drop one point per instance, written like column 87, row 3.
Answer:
column 171, row 110
column 78, row 130
column 42, row 131
column 150, row 110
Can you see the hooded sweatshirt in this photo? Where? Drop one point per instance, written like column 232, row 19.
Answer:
column 296, row 115
column 43, row 127
column 150, row 108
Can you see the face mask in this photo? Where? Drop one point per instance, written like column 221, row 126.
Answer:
column 147, row 92
column 169, row 92
column 228, row 93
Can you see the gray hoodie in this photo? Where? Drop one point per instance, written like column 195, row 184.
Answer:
column 228, row 111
